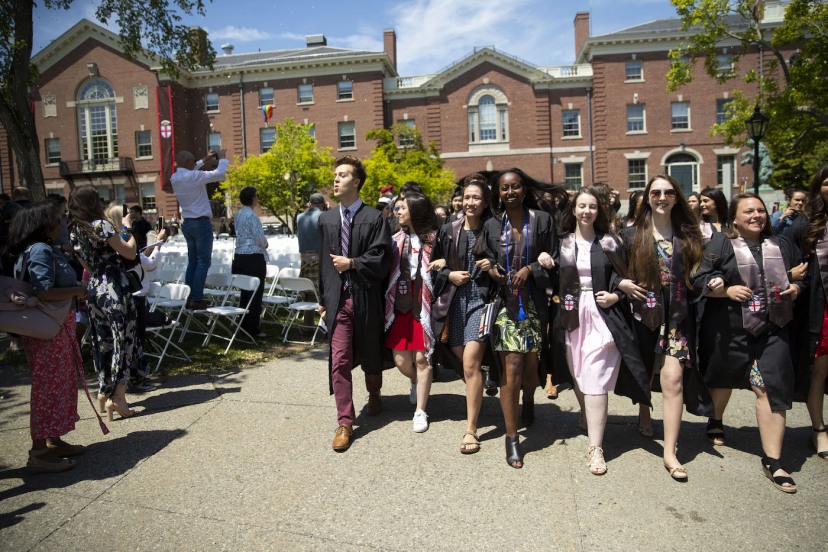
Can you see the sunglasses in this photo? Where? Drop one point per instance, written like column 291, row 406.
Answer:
column 397, row 209
column 667, row 194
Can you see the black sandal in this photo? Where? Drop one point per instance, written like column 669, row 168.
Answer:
column 770, row 466
column 513, row 453
column 821, row 453
column 715, row 437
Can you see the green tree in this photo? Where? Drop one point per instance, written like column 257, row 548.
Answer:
column 787, row 91
column 401, row 156
column 286, row 175
column 151, row 27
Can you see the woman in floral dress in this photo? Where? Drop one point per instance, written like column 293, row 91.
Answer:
column 112, row 314
column 665, row 249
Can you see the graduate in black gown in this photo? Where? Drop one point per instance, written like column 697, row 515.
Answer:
column 743, row 334
column 665, row 249
column 811, row 344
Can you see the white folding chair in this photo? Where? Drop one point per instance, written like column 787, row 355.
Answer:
column 216, row 287
column 171, row 299
column 232, row 314
column 296, row 287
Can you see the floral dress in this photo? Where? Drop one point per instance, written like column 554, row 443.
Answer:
column 672, row 339
column 116, row 349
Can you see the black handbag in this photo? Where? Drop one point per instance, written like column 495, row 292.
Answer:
column 133, row 281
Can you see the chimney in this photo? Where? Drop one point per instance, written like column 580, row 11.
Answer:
column 228, row 49
column 198, row 46
column 315, row 40
column 581, row 32
column 389, row 41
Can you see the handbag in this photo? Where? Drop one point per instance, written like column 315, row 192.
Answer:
column 133, row 281
column 487, row 318
column 21, row 312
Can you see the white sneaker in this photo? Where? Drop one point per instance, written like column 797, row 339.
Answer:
column 412, row 394
column 420, row 422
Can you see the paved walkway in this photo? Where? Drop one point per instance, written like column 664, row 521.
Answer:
column 241, row 460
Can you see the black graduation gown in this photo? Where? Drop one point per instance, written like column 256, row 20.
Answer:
column 440, row 280
column 726, row 350
column 696, row 396
column 633, row 376
column 808, row 315
column 370, row 247
column 544, row 239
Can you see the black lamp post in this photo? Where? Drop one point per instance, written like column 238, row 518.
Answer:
column 757, row 125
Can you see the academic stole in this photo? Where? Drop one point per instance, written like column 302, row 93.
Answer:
column 530, row 227
column 766, row 301
column 570, row 281
column 650, row 311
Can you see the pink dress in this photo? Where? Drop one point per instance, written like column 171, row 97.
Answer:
column 591, row 353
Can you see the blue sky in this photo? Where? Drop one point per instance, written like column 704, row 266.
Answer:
column 431, row 34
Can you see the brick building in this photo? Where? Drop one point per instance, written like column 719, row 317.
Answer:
column 608, row 117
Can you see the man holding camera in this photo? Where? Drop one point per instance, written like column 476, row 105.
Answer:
column 189, row 182
column 783, row 218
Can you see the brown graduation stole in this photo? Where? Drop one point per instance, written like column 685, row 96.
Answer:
column 651, row 310
column 570, row 282
column 821, row 251
column 766, row 302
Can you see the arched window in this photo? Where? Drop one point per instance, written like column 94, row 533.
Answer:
column 488, row 112
column 97, row 121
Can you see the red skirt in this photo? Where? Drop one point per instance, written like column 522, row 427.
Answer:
column 406, row 333
column 822, row 344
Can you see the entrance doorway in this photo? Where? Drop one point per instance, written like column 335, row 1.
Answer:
column 685, row 169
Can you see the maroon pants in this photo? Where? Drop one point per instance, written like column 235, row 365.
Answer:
column 342, row 362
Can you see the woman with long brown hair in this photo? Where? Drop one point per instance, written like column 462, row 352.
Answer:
column 515, row 251
column 112, row 314
column 743, row 332
column 813, row 240
column 408, row 300
column 665, row 249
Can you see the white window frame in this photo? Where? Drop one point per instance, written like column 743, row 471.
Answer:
column 569, row 182
column 139, row 144
column 346, row 144
column 721, row 110
column 148, row 203
column 571, row 132
column 500, row 115
column 264, row 143
column 630, row 185
column 680, row 122
column 306, row 98
column 344, row 95
column 96, row 106
column 628, row 65
column 407, row 143
column 50, row 161
column 209, row 105
column 724, row 64
column 719, row 173
column 266, row 96
column 212, row 144
column 643, row 118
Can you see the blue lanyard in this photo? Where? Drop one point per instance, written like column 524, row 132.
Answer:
column 507, row 232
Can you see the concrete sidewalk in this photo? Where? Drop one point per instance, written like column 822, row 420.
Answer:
column 241, row 460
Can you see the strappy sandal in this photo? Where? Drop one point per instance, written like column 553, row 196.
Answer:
column 645, row 431
column 715, row 437
column 514, row 456
column 769, row 467
column 597, row 465
column 679, row 473
column 821, row 453
column 470, row 448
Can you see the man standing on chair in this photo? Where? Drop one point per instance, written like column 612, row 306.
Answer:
column 190, row 187
column 355, row 257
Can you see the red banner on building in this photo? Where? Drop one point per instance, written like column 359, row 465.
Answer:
column 166, row 139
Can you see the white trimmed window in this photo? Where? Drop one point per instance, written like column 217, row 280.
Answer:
column 211, row 102
column 573, row 176
column 97, row 121
column 571, row 123
column 721, row 111
column 347, row 135
column 214, row 141
column 725, row 64
column 267, row 136
column 143, row 144
column 725, row 170
column 636, row 174
column 407, row 141
column 148, row 196
column 345, row 90
column 305, row 93
column 680, row 115
column 488, row 116
column 634, row 70
column 265, row 96
column 52, row 150
column 635, row 118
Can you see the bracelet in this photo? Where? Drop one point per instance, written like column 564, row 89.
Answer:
column 351, row 264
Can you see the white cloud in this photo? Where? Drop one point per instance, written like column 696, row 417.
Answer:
column 433, row 33
column 239, row 34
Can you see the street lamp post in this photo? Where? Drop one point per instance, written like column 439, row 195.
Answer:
column 757, row 125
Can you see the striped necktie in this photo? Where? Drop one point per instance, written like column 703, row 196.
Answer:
column 346, row 241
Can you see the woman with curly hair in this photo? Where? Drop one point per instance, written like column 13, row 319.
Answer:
column 665, row 249
column 112, row 314
column 56, row 363
column 515, row 250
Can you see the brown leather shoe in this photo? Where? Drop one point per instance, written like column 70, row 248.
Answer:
column 342, row 438
column 374, row 404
